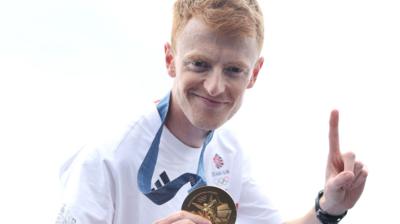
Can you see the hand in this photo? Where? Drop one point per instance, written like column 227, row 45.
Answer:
column 345, row 177
column 183, row 217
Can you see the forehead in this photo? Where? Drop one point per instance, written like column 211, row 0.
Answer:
column 198, row 38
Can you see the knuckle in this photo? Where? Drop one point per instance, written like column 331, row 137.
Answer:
column 350, row 155
column 180, row 215
column 359, row 165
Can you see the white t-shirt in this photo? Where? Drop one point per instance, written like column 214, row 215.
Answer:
column 100, row 183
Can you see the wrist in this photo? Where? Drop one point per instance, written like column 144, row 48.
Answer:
column 324, row 216
column 328, row 207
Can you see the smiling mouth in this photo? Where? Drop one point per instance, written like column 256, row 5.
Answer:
column 210, row 102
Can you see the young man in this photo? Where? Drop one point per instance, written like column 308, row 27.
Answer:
column 143, row 176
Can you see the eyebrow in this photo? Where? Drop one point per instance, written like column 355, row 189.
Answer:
column 196, row 56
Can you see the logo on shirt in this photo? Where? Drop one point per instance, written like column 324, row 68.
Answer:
column 164, row 178
column 220, row 174
column 218, row 161
column 223, row 181
column 64, row 217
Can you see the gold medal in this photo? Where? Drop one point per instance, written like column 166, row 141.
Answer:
column 211, row 203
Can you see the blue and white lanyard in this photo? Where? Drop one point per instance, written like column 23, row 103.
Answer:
column 165, row 193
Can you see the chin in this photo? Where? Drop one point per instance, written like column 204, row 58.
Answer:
column 207, row 125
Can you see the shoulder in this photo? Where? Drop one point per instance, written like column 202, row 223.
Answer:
column 139, row 125
column 123, row 139
column 227, row 138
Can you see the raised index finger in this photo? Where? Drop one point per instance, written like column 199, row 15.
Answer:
column 334, row 147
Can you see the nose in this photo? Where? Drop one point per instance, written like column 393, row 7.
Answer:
column 214, row 83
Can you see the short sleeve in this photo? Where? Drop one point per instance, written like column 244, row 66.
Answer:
column 254, row 206
column 88, row 188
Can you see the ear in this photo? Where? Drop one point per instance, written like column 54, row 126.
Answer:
column 255, row 72
column 169, row 59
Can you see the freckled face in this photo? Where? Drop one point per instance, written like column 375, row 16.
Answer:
column 211, row 74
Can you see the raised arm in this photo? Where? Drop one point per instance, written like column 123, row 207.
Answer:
column 345, row 179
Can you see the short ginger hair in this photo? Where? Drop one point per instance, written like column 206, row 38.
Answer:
column 239, row 18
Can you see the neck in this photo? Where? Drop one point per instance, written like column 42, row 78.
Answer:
column 182, row 128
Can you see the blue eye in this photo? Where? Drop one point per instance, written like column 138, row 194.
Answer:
column 233, row 71
column 199, row 66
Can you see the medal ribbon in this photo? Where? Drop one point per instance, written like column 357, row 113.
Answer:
column 165, row 193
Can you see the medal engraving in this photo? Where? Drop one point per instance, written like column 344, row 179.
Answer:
column 211, row 203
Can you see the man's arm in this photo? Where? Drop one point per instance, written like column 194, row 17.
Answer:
column 88, row 188
column 345, row 179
